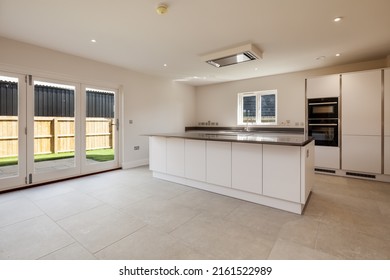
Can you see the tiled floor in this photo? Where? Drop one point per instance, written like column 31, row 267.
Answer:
column 127, row 214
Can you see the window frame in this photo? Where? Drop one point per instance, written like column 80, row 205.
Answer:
column 258, row 94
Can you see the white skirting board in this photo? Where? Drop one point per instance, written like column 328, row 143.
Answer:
column 133, row 164
column 289, row 206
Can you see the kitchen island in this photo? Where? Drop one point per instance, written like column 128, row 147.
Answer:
column 271, row 169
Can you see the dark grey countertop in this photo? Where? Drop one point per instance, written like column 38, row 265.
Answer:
column 287, row 139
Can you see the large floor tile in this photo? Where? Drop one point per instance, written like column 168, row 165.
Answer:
column 162, row 214
column 71, row 252
column 32, row 239
column 347, row 244
column 100, row 227
column 16, row 210
column 149, row 243
column 288, row 250
column 120, row 197
column 68, row 204
column 223, row 239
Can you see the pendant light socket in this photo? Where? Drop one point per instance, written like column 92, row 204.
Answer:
column 162, row 8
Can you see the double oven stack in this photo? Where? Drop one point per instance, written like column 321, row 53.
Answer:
column 323, row 121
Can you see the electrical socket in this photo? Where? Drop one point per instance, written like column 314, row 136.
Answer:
column 136, row 148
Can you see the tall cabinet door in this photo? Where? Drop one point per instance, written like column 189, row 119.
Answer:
column 361, row 121
column 387, row 122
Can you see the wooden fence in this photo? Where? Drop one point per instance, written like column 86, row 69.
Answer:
column 55, row 135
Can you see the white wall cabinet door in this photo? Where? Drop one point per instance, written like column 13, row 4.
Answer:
column 362, row 153
column 219, row 163
column 247, row 167
column 158, row 154
column 324, row 86
column 175, row 156
column 195, row 160
column 282, row 172
column 361, row 103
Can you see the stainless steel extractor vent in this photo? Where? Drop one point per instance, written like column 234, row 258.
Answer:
column 232, row 56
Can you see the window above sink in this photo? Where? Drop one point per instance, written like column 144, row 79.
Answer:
column 257, row 108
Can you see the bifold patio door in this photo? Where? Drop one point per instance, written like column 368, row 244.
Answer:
column 55, row 130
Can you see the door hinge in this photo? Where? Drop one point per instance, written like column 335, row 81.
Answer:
column 25, row 180
column 30, row 178
column 117, row 124
column 30, row 80
column 25, row 130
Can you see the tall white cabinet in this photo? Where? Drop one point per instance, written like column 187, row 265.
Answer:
column 320, row 87
column 362, row 121
column 387, row 122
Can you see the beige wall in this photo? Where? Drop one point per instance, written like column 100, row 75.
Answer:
column 218, row 103
column 154, row 104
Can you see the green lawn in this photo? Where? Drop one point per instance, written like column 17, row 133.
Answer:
column 96, row 155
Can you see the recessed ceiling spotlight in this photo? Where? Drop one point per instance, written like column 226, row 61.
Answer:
column 165, row 65
column 338, row 54
column 337, row 19
column 256, row 69
column 93, row 41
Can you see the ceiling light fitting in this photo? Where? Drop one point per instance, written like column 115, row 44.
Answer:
column 162, row 8
column 233, row 56
column 337, row 19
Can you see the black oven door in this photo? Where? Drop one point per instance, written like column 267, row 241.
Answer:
column 321, row 108
column 325, row 132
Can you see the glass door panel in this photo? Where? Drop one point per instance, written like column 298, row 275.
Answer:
column 100, row 129
column 12, row 130
column 54, row 122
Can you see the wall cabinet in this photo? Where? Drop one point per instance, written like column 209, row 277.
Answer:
column 195, row 160
column 158, row 154
column 247, row 167
column 324, row 86
column 219, row 163
column 175, row 156
column 281, row 172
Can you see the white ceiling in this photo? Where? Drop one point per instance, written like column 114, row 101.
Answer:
column 292, row 34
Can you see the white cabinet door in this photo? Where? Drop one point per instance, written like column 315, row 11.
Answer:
column 324, row 86
column 387, row 155
column 247, row 167
column 195, row 160
column 219, row 163
column 282, row 172
column 362, row 153
column 158, row 154
column 361, row 103
column 387, row 102
column 327, row 157
column 175, row 156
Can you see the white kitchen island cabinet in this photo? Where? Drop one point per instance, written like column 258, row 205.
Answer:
column 276, row 171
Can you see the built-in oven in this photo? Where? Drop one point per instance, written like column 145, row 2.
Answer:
column 324, row 131
column 323, row 121
column 323, row 108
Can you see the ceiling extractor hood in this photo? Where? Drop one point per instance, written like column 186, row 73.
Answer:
column 232, row 56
